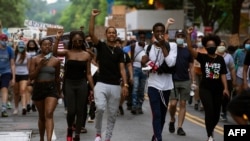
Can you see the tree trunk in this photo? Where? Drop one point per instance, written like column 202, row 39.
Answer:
column 236, row 11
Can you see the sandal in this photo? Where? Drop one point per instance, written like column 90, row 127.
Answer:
column 83, row 130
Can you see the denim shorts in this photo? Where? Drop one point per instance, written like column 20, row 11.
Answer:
column 5, row 80
column 42, row 90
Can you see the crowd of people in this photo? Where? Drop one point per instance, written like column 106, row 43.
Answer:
column 167, row 71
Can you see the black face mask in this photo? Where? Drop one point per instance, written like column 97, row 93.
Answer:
column 90, row 44
column 211, row 50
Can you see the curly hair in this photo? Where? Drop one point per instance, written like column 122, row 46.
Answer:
column 211, row 37
column 72, row 34
column 159, row 24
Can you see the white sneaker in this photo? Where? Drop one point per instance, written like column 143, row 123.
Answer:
column 15, row 112
column 90, row 120
column 98, row 138
column 210, row 138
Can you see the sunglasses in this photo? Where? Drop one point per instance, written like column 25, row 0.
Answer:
column 77, row 41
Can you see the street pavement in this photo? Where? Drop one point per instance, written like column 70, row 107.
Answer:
column 128, row 127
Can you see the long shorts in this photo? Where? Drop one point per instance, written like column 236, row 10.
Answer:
column 21, row 77
column 5, row 80
column 42, row 90
column 181, row 90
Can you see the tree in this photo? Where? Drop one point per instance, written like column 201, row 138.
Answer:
column 12, row 13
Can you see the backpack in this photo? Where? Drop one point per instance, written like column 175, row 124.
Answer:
column 163, row 68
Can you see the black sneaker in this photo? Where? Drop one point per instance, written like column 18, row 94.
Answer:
column 121, row 110
column 140, row 111
column 134, row 111
column 181, row 132
column 24, row 111
column 171, row 127
column 33, row 107
column 4, row 114
column 196, row 106
column 28, row 107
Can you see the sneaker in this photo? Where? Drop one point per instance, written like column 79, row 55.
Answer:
column 139, row 111
column 28, row 107
column 15, row 112
column 8, row 105
column 76, row 138
column 33, row 107
column 210, row 138
column 69, row 138
column 190, row 101
column 24, row 111
column 171, row 127
column 84, row 130
column 196, row 106
column 4, row 114
column 90, row 120
column 223, row 117
column 98, row 138
column 121, row 110
column 181, row 132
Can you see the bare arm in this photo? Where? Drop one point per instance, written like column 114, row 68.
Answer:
column 55, row 47
column 94, row 13
column 124, row 79
column 13, row 71
column 224, row 82
column 130, row 70
column 245, row 83
column 89, row 76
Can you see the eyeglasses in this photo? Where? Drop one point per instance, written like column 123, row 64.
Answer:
column 77, row 41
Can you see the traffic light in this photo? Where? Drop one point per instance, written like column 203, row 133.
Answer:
column 150, row 2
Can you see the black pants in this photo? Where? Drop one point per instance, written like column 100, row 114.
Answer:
column 76, row 97
column 211, row 100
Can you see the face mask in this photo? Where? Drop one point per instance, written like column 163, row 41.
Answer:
column 221, row 49
column 179, row 41
column 20, row 49
column 3, row 43
column 48, row 56
column 211, row 50
column 10, row 44
column 199, row 44
column 90, row 44
column 247, row 47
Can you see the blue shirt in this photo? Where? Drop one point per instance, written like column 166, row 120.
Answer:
column 5, row 55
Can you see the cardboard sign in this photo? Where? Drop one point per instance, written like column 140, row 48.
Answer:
column 117, row 20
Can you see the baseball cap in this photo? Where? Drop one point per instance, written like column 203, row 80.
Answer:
column 180, row 32
column 21, row 44
column 200, row 34
column 3, row 37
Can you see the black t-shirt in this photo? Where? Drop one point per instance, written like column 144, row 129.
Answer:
column 109, row 59
column 212, row 68
column 247, row 59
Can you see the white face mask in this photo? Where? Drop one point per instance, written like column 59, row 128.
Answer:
column 199, row 44
column 221, row 49
column 179, row 41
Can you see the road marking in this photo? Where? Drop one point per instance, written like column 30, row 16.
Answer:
column 199, row 121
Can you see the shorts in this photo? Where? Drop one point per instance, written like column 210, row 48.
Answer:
column 42, row 90
column 5, row 80
column 181, row 90
column 21, row 77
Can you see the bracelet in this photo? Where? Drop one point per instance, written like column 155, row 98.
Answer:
column 126, row 85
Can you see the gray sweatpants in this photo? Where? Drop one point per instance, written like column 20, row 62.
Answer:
column 106, row 95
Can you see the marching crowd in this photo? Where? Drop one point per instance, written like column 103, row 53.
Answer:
column 167, row 71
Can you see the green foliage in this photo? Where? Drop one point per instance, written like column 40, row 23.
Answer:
column 12, row 12
column 78, row 14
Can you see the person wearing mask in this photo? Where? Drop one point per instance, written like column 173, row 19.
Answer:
column 239, row 57
column 22, row 63
column 183, row 78
column 111, row 70
column 76, row 74
column 44, row 71
column 160, row 83
column 7, row 71
column 213, row 84
column 231, row 76
column 32, row 49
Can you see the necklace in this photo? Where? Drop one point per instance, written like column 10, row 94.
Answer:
column 111, row 49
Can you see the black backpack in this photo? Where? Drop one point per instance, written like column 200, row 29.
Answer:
column 163, row 68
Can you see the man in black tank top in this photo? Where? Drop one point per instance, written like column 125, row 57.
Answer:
column 111, row 70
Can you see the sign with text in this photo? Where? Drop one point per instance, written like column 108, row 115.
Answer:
column 117, row 20
column 236, row 132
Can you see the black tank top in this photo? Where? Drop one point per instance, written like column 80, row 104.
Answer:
column 75, row 70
